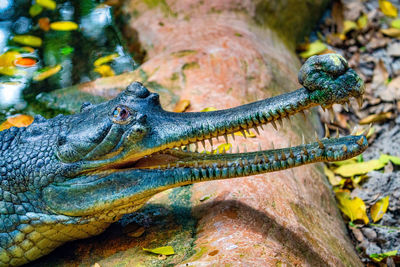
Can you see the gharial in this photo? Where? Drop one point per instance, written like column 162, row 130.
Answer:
column 70, row 177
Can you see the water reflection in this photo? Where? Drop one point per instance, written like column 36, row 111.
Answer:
column 39, row 55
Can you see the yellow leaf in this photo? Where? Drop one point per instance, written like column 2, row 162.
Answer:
column 354, row 208
column 247, row 132
column 379, row 208
column 208, row 109
column 7, row 59
column 63, row 26
column 392, row 32
column 35, row 10
column 105, row 71
column 349, row 25
column 49, row 4
column 395, row 23
column 380, row 256
column 182, row 105
column 11, row 71
column 168, row 250
column 386, row 158
column 105, row 59
column 345, row 162
column 358, row 168
column 333, row 179
column 17, row 121
column 362, row 21
column 222, row 148
column 46, row 74
column 376, row 118
column 314, row 48
column 28, row 40
column 388, row 8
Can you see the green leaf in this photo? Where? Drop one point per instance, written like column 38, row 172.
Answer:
column 348, row 26
column 168, row 250
column 358, row 168
column 28, row 40
column 395, row 24
column 314, row 48
column 379, row 209
column 35, row 10
column 381, row 256
column 67, row 50
column 362, row 21
column 384, row 158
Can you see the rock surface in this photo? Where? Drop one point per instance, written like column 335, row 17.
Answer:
column 216, row 54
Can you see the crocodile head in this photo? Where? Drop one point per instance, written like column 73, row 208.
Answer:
column 122, row 152
column 81, row 172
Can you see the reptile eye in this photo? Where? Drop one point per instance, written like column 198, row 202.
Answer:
column 121, row 114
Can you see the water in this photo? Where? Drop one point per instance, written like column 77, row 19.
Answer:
column 31, row 48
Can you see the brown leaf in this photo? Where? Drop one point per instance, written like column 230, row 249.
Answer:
column 392, row 32
column 182, row 105
column 17, row 121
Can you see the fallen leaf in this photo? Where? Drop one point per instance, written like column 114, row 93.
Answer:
column 105, row 71
column 28, row 40
column 182, row 105
column 378, row 257
column 35, row 10
column 358, row 168
column 395, row 23
column 333, row 179
column 11, row 71
column 8, row 58
column 384, row 158
column 348, row 26
column 208, row 109
column 354, row 208
column 222, row 148
column 44, row 23
column 49, row 4
column 345, row 162
column 379, row 209
column 105, row 59
column 168, row 250
column 17, row 121
column 362, row 21
column 374, row 118
column 388, row 8
column 46, row 73
column 314, row 48
column 63, row 26
column 392, row 32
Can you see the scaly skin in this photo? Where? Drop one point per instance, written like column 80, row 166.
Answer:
column 70, row 177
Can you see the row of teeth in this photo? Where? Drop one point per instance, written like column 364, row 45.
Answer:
column 260, row 158
column 194, row 146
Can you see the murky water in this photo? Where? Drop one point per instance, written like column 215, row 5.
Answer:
column 46, row 45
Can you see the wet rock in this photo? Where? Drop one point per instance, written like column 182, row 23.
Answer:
column 369, row 233
column 373, row 248
column 22, row 25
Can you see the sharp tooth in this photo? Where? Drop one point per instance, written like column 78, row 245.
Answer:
column 196, row 147
column 291, row 153
column 261, row 126
column 305, row 150
column 368, row 129
column 256, row 129
column 244, row 148
column 265, row 158
column 211, row 142
column 303, row 140
column 289, row 120
column 203, row 143
column 272, row 145
column 332, row 115
column 360, row 101
column 337, row 132
column 327, row 134
column 274, row 124
column 217, row 137
column 276, row 156
column 280, row 122
column 304, row 115
column 237, row 149
column 233, row 136
column 283, row 155
column 256, row 160
column 246, row 162
column 324, row 109
column 243, row 133
column 226, row 138
column 240, row 163
column 346, row 106
column 354, row 130
column 223, row 150
column 259, row 147
column 360, row 141
column 320, row 144
column 196, row 164
column 344, row 148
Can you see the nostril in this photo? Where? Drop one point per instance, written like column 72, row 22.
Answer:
column 62, row 140
column 142, row 118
